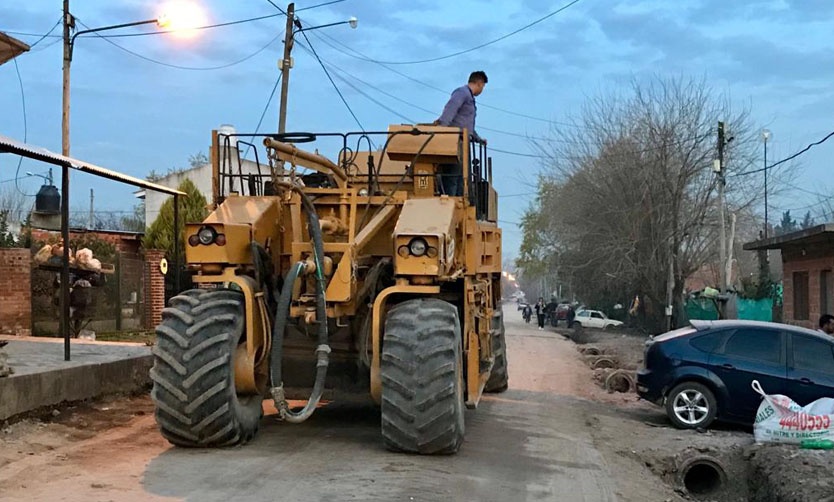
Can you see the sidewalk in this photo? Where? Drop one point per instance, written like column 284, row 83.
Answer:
column 42, row 378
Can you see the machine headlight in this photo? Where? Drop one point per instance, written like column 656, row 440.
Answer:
column 206, row 235
column 418, row 246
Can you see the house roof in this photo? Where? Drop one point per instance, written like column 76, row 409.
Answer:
column 10, row 48
column 815, row 235
column 10, row 145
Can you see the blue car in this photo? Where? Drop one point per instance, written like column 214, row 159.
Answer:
column 702, row 373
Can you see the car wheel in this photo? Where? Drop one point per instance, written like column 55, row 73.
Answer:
column 691, row 405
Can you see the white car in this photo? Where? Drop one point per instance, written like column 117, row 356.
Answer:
column 595, row 319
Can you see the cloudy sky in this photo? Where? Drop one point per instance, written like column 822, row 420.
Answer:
column 142, row 103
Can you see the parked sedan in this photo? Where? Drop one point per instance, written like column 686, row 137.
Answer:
column 595, row 319
column 704, row 372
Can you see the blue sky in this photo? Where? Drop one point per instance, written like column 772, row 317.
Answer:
column 135, row 116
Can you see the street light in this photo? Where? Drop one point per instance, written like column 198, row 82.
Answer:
column 48, row 179
column 286, row 63
column 765, row 136
column 181, row 16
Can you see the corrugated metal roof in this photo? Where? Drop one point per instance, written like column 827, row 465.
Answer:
column 9, row 145
column 10, row 47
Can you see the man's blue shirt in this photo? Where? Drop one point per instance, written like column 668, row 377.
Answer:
column 460, row 111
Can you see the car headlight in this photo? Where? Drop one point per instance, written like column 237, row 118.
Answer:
column 418, row 246
column 206, row 235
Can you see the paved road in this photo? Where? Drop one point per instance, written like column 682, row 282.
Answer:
column 532, row 442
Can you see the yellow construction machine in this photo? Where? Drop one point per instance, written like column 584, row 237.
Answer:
column 320, row 279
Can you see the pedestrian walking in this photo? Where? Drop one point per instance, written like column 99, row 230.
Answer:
column 541, row 310
column 527, row 313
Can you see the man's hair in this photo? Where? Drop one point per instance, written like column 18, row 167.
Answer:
column 825, row 319
column 478, row 76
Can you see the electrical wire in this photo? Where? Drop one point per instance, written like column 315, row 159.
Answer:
column 206, row 27
column 786, row 159
column 39, row 40
column 25, row 128
column 339, row 92
column 363, row 57
column 479, row 46
column 180, row 67
column 263, row 114
column 319, row 5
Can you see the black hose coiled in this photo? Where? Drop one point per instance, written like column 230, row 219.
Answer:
column 280, row 324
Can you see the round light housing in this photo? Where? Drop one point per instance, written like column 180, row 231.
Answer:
column 220, row 240
column 432, row 253
column 194, row 240
column 206, row 235
column 418, row 246
column 403, row 251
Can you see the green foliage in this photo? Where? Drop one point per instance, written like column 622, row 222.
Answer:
column 7, row 239
column 136, row 221
column 787, row 225
column 807, row 221
column 192, row 208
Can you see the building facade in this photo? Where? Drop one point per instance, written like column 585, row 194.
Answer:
column 807, row 277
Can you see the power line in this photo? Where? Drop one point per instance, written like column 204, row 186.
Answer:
column 48, row 33
column 263, row 114
column 364, row 57
column 180, row 67
column 206, row 27
column 25, row 127
column 149, row 33
column 319, row 5
column 479, row 46
column 786, row 159
column 336, row 87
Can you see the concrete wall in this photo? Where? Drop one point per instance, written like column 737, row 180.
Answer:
column 200, row 176
column 15, row 291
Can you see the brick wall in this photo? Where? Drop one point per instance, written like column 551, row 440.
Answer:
column 154, row 288
column 813, row 265
column 15, row 291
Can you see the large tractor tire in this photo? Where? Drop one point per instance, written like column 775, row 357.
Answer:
column 498, row 379
column 193, row 373
column 422, row 378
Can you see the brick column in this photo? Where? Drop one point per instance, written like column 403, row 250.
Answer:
column 154, row 288
column 15, row 291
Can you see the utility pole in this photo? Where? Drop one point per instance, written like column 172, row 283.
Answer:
column 721, row 182
column 69, row 24
column 91, row 219
column 285, row 65
column 670, row 283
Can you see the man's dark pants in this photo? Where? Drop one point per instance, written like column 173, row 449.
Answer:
column 451, row 179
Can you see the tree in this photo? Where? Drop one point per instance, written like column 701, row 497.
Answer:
column 136, row 221
column 807, row 221
column 787, row 225
column 192, row 208
column 7, row 239
column 629, row 194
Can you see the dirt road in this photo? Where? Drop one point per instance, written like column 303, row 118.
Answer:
column 533, row 442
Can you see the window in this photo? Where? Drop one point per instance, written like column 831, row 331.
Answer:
column 596, row 315
column 812, row 354
column 583, row 314
column 757, row 344
column 709, row 342
column 825, row 292
column 800, row 296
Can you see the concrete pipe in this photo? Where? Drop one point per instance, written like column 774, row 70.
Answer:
column 603, row 362
column 619, row 381
column 591, row 351
column 702, row 475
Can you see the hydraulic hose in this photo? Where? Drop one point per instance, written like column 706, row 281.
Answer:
column 282, row 313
